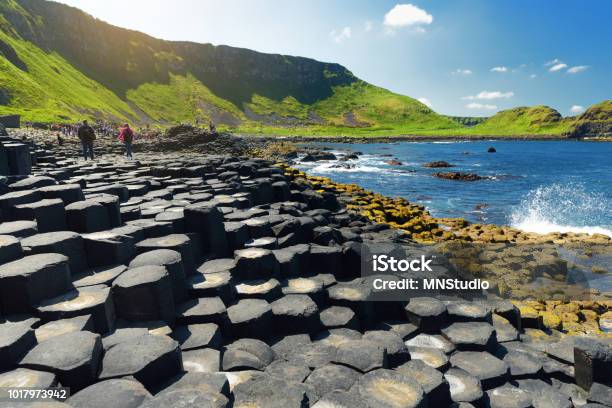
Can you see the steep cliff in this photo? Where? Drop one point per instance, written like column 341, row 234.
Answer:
column 48, row 46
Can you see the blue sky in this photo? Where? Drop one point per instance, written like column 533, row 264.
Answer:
column 556, row 53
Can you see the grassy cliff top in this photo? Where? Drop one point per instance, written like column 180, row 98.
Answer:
column 59, row 64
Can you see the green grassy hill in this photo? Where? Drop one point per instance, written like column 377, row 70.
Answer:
column 59, row 64
column 536, row 120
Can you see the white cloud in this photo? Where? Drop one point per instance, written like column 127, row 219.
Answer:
column 552, row 62
column 425, row 102
column 459, row 71
column 403, row 15
column 532, row 76
column 557, row 67
column 488, row 95
column 577, row 109
column 368, row 26
column 340, row 36
column 577, row 69
column 475, row 105
column 499, row 69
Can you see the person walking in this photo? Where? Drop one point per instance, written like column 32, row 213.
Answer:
column 87, row 135
column 126, row 135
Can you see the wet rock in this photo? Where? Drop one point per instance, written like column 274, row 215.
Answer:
column 491, row 150
column 150, row 359
column 394, row 162
column 317, row 156
column 459, row 176
column 437, row 164
column 73, row 357
column 27, row 281
column 119, row 393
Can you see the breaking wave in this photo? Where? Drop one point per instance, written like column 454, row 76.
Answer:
column 563, row 208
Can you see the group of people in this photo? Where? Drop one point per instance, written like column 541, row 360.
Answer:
column 87, row 136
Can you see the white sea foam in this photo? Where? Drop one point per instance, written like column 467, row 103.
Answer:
column 563, row 208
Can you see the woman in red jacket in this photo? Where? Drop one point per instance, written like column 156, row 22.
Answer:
column 126, row 135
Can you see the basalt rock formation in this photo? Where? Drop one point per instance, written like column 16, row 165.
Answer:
column 224, row 281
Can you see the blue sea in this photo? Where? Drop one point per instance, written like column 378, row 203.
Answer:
column 537, row 186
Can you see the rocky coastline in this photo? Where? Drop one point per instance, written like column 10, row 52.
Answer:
column 208, row 272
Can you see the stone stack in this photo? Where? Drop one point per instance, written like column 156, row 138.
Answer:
column 15, row 157
column 219, row 281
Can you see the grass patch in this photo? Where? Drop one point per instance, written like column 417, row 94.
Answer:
column 52, row 90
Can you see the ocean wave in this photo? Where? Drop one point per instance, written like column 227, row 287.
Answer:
column 567, row 207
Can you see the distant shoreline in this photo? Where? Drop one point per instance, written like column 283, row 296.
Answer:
column 418, row 138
